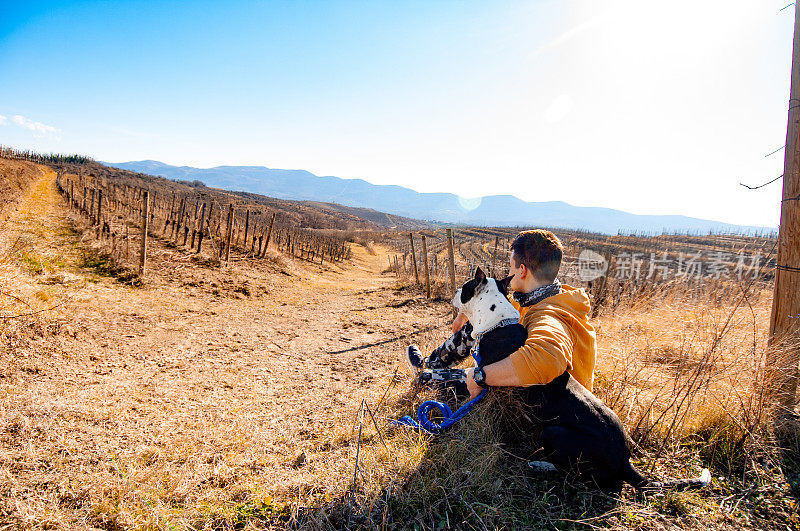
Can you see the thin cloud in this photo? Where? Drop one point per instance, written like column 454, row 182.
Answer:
column 3, row 120
column 36, row 127
column 570, row 34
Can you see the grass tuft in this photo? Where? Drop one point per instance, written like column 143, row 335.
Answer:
column 104, row 266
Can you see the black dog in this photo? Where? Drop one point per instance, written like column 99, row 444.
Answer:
column 581, row 433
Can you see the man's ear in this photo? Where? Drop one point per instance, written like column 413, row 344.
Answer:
column 502, row 284
column 480, row 276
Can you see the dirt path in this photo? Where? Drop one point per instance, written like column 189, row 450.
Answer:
column 203, row 385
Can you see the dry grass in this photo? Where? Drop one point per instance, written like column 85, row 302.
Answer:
column 230, row 398
column 686, row 377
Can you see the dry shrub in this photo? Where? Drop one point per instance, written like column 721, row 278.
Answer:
column 692, row 368
column 279, row 259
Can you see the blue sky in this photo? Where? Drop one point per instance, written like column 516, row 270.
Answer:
column 649, row 107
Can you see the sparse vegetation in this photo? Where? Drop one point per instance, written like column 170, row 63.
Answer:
column 213, row 398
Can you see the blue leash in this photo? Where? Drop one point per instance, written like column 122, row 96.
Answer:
column 424, row 423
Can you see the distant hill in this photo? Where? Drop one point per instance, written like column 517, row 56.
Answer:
column 495, row 210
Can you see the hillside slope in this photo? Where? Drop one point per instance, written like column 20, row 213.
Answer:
column 305, row 214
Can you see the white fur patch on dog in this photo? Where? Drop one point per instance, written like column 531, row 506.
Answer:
column 487, row 307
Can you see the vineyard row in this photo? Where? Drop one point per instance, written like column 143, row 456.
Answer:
column 189, row 220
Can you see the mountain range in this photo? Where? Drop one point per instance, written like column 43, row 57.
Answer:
column 494, row 210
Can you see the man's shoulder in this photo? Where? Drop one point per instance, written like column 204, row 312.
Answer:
column 540, row 317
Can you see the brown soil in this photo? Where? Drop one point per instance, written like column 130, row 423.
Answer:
column 15, row 178
column 205, row 385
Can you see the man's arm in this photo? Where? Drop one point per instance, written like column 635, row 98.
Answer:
column 498, row 374
column 546, row 354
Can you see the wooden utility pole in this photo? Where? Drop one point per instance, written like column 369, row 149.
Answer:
column 145, row 218
column 784, row 329
column 452, row 264
column 414, row 257
column 427, row 272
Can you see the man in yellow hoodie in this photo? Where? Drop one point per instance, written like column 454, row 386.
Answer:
column 555, row 316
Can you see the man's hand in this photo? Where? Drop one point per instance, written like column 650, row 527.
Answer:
column 459, row 322
column 498, row 374
column 473, row 388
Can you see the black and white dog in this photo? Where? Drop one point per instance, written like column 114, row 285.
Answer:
column 493, row 321
column 578, row 431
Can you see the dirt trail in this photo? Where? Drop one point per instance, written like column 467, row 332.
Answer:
column 201, row 381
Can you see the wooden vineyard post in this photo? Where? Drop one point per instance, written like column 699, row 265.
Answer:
column 784, row 329
column 452, row 264
column 600, row 287
column 427, row 271
column 229, row 234
column 494, row 257
column 396, row 267
column 201, row 229
column 208, row 222
column 194, row 224
column 179, row 220
column 186, row 225
column 414, row 257
column 169, row 218
column 246, row 229
column 97, row 214
column 152, row 210
column 145, row 218
column 269, row 233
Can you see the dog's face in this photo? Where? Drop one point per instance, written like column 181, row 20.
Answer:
column 481, row 294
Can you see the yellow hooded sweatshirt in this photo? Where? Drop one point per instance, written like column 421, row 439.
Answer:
column 559, row 338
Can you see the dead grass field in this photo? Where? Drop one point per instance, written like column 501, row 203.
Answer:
column 228, row 398
column 199, row 390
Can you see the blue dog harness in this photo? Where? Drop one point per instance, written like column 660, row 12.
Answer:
column 423, row 421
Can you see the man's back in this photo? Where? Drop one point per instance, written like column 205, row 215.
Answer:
column 560, row 338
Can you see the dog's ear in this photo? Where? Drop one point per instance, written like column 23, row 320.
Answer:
column 480, row 276
column 502, row 284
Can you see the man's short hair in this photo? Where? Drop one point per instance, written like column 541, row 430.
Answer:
column 540, row 251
